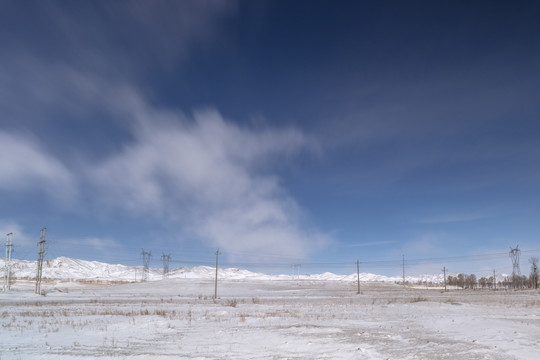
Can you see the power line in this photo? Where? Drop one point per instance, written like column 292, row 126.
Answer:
column 267, row 260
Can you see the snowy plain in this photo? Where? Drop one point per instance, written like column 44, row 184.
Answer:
column 265, row 318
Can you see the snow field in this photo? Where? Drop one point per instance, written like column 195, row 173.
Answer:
column 299, row 319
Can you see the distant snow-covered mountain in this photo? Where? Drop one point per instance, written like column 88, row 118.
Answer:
column 63, row 268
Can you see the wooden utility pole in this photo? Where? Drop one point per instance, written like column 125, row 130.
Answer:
column 494, row 280
column 358, row 274
column 535, row 272
column 215, row 287
column 403, row 256
column 444, row 272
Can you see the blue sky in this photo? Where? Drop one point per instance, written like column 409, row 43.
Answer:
column 307, row 132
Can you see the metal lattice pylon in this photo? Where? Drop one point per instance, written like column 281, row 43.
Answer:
column 146, row 264
column 9, row 252
column 516, row 273
column 40, row 261
column 166, row 258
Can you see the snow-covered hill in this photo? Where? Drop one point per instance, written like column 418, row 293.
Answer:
column 63, row 268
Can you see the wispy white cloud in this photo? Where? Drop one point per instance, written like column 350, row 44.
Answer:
column 20, row 236
column 370, row 243
column 66, row 74
column 429, row 243
column 100, row 36
column 215, row 179
column 101, row 244
column 27, row 166
column 455, row 218
column 211, row 175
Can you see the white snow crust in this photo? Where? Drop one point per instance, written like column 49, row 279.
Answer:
column 259, row 317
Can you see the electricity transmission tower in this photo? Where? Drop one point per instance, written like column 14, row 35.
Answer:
column 516, row 273
column 146, row 263
column 295, row 272
column 9, row 251
column 166, row 258
column 40, row 260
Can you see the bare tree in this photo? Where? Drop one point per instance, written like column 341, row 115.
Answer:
column 461, row 281
column 490, row 282
column 471, row 281
column 483, row 282
column 533, row 277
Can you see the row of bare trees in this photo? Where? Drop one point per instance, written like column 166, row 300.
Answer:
column 465, row 281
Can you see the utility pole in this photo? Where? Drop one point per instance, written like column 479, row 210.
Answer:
column 444, row 272
column 9, row 251
column 358, row 274
column 534, row 269
column 166, row 259
column 40, row 261
column 403, row 257
column 146, row 264
column 494, row 280
column 215, row 287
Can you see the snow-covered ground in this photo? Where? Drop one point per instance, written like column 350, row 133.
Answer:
column 266, row 319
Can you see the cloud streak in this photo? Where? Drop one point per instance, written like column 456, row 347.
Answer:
column 91, row 243
column 370, row 243
column 454, row 218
